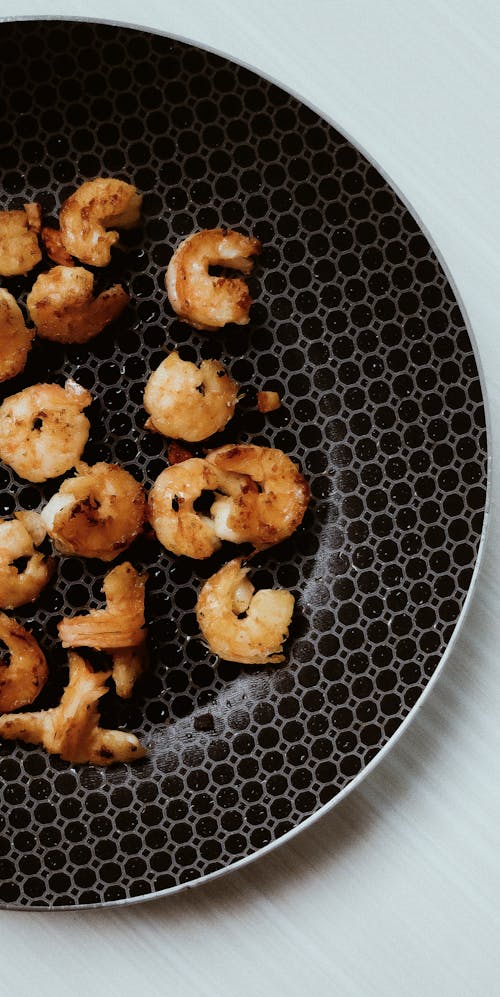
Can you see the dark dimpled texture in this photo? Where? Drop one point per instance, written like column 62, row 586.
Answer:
column 357, row 328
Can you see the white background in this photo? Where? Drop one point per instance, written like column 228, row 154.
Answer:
column 396, row 891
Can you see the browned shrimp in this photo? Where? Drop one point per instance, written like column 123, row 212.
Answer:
column 188, row 402
column 273, row 510
column 71, row 729
column 98, row 205
column 179, row 526
column 96, row 514
column 121, row 624
column 23, row 668
column 204, row 301
column 24, row 571
column 19, row 249
column 118, row 629
column 63, row 309
column 43, row 429
column 15, row 338
column 239, row 625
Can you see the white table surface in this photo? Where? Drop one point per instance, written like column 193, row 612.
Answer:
column 396, row 891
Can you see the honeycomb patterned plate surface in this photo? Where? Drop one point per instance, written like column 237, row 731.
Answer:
column 356, row 326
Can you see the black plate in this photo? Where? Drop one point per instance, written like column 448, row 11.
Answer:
column 357, row 327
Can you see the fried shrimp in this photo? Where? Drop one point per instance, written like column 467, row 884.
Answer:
column 271, row 511
column 23, row 668
column 118, row 629
column 24, row 571
column 208, row 302
column 63, row 309
column 98, row 205
column 19, row 249
column 239, row 625
column 96, row 514
column 179, row 526
column 43, row 429
column 188, row 402
column 71, row 729
column 15, row 338
column 121, row 624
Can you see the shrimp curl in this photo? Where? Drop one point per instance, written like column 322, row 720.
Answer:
column 187, row 402
column 96, row 514
column 240, row 624
column 43, row 429
column 204, row 301
column 95, row 207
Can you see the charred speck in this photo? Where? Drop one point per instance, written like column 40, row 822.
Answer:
column 175, row 504
column 86, row 506
column 200, row 388
column 37, row 423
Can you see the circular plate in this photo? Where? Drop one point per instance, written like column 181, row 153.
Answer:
column 357, row 327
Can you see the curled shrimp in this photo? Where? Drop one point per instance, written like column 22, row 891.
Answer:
column 95, row 207
column 188, row 402
column 270, row 512
column 23, row 668
column 19, row 249
column 15, row 338
column 118, row 629
column 179, row 526
column 97, row 514
column 71, row 730
column 24, row 571
column 204, row 301
column 63, row 309
column 43, row 429
column 240, row 624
